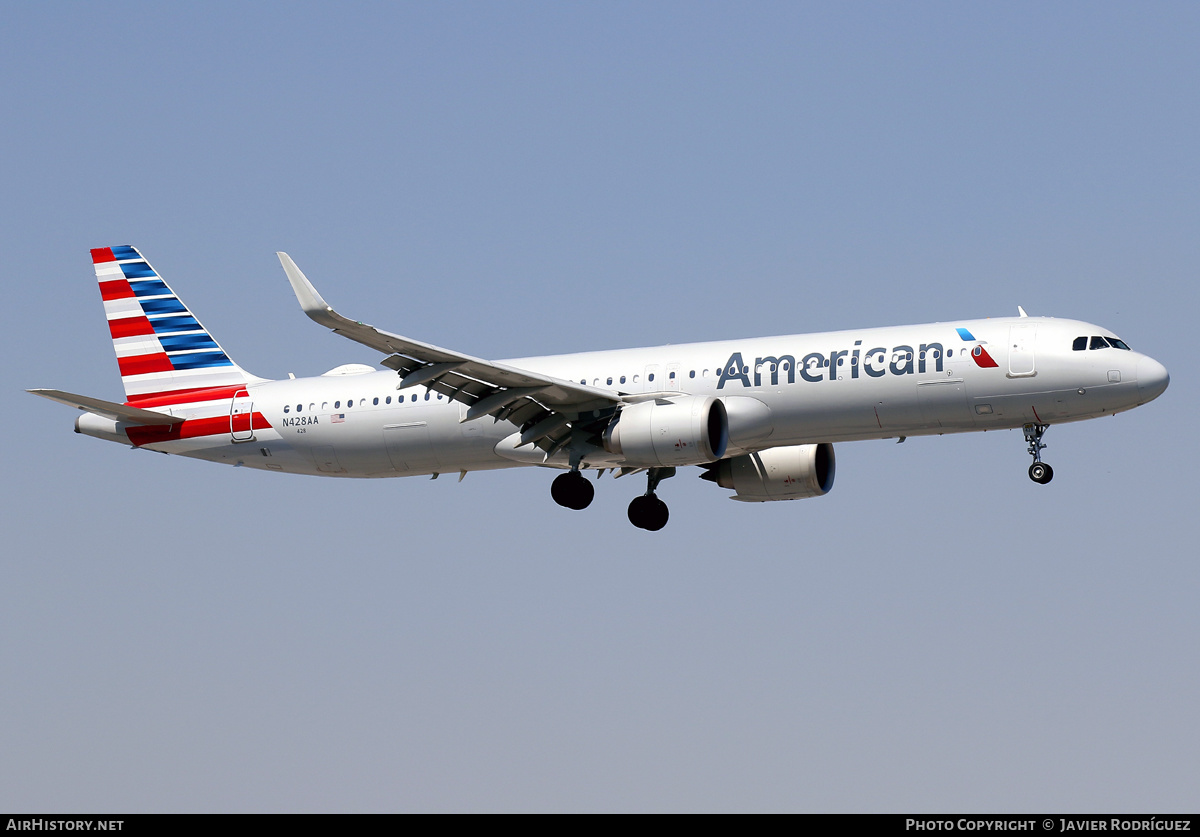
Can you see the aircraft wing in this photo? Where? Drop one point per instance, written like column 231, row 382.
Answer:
column 547, row 409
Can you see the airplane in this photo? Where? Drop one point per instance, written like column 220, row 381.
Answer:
column 757, row 416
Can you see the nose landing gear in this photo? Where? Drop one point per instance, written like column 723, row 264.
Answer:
column 1039, row 471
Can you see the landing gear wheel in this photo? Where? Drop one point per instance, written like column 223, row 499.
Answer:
column 1041, row 473
column 648, row 512
column 572, row 490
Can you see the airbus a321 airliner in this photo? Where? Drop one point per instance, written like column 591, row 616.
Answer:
column 758, row 416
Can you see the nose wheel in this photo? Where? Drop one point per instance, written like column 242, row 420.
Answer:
column 1039, row 471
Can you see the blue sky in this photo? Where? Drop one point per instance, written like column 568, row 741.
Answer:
column 937, row 633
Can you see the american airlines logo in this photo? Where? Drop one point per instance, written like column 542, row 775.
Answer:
column 874, row 363
column 979, row 354
column 815, row 366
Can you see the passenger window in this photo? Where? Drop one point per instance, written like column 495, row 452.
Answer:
column 672, row 376
column 299, row 408
column 387, row 400
column 650, row 377
column 426, row 395
column 610, row 382
column 1079, row 345
column 375, row 402
column 337, row 404
column 622, row 379
column 414, row 396
column 692, row 373
column 324, row 405
column 1098, row 342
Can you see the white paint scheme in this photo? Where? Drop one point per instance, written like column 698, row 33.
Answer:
column 1038, row 379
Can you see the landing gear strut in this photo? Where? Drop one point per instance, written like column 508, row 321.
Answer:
column 1039, row 471
column 572, row 490
column 647, row 511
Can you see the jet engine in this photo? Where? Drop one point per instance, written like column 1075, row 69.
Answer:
column 750, row 423
column 684, row 430
column 786, row 473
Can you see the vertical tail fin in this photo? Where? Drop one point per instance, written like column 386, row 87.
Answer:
column 165, row 354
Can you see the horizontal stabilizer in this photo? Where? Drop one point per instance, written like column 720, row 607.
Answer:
column 116, row 412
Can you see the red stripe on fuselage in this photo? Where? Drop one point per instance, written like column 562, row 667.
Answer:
column 129, row 327
column 184, row 396
column 190, row 429
column 115, row 289
column 141, row 364
column 102, row 254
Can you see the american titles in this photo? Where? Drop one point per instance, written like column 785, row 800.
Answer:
column 815, row 366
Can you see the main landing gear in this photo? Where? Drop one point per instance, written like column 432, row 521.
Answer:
column 1039, row 471
column 647, row 511
column 572, row 490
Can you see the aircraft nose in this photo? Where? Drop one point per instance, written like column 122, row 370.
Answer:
column 1152, row 378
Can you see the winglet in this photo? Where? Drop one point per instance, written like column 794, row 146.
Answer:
column 313, row 304
column 1021, row 311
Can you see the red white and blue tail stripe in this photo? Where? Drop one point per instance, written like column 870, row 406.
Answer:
column 165, row 354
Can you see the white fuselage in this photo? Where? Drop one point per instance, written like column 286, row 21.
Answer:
column 827, row 387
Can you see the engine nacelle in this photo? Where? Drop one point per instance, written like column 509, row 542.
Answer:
column 787, row 473
column 750, row 423
column 685, row 430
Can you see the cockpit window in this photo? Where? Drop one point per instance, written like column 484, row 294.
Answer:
column 1079, row 345
column 1118, row 344
column 1098, row 342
